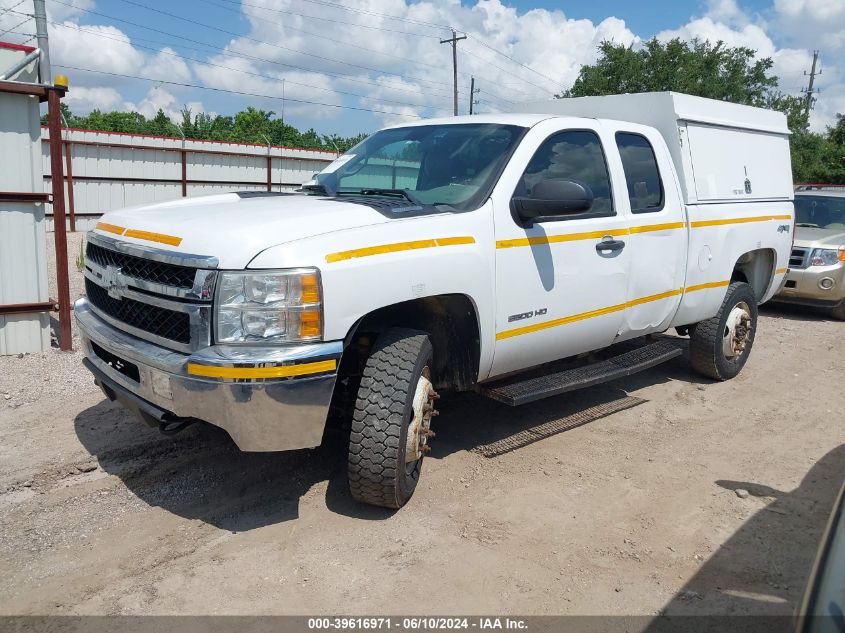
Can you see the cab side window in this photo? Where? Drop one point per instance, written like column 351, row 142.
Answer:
column 645, row 189
column 574, row 155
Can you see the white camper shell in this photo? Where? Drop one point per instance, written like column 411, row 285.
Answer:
column 716, row 146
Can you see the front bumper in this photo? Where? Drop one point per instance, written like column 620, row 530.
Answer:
column 223, row 385
column 804, row 286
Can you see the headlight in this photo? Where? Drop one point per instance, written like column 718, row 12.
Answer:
column 269, row 307
column 827, row 256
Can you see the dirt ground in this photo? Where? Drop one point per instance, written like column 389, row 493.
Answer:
column 633, row 513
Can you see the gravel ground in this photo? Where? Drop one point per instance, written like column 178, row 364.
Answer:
column 635, row 513
column 30, row 378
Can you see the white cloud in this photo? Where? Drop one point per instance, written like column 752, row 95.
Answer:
column 812, row 23
column 82, row 99
column 410, row 75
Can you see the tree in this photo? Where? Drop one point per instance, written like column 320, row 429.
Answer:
column 248, row 126
column 716, row 71
column 698, row 67
column 252, row 126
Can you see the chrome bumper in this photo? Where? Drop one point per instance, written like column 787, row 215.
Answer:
column 260, row 414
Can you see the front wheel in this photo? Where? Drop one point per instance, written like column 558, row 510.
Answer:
column 839, row 311
column 392, row 419
column 719, row 347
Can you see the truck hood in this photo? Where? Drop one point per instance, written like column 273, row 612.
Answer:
column 807, row 237
column 236, row 227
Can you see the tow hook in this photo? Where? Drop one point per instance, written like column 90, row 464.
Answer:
column 174, row 426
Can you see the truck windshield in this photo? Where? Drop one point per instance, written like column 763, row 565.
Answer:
column 455, row 165
column 823, row 212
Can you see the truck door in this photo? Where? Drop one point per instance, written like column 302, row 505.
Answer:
column 561, row 284
column 658, row 239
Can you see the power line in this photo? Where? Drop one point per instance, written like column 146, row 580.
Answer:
column 487, row 61
column 518, row 63
column 282, row 11
column 377, row 14
column 16, row 25
column 326, row 37
column 210, row 48
column 809, row 99
column 454, row 42
column 244, row 37
column 315, row 17
column 242, row 71
column 14, row 6
column 235, row 92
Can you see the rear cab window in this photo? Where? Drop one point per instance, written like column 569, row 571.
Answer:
column 642, row 176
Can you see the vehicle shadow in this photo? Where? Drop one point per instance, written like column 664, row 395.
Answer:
column 201, row 474
column 764, row 566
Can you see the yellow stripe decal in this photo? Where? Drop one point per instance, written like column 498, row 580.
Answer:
column 646, row 228
column 153, row 237
column 602, row 311
column 712, row 284
column 110, row 228
column 780, row 271
column 553, row 239
column 277, row 371
column 759, row 218
column 584, row 315
column 397, row 247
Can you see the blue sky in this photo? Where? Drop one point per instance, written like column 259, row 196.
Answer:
column 337, row 64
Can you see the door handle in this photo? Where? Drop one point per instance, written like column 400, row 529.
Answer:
column 609, row 244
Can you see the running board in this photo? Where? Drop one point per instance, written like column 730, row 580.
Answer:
column 516, row 392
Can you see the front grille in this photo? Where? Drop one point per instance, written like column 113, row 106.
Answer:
column 167, row 324
column 798, row 258
column 140, row 268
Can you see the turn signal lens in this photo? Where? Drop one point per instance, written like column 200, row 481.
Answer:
column 310, row 288
column 842, row 253
column 310, row 326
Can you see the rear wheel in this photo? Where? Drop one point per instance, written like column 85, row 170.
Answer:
column 719, row 347
column 392, row 419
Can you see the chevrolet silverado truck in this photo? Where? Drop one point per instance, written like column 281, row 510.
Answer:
column 816, row 274
column 519, row 255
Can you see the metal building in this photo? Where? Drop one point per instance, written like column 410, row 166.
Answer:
column 23, row 257
column 110, row 170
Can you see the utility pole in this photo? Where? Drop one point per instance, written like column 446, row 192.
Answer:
column 454, row 42
column 40, row 14
column 472, row 92
column 809, row 99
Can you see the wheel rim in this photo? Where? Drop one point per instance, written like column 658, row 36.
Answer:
column 419, row 429
column 738, row 331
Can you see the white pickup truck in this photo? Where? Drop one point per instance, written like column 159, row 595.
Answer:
column 451, row 253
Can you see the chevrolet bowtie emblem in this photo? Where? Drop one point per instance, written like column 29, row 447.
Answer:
column 113, row 281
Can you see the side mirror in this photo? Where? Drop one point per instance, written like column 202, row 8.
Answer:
column 553, row 197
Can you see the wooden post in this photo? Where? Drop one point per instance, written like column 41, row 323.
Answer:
column 54, row 124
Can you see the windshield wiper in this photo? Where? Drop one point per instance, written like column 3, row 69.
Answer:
column 371, row 191
column 809, row 226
